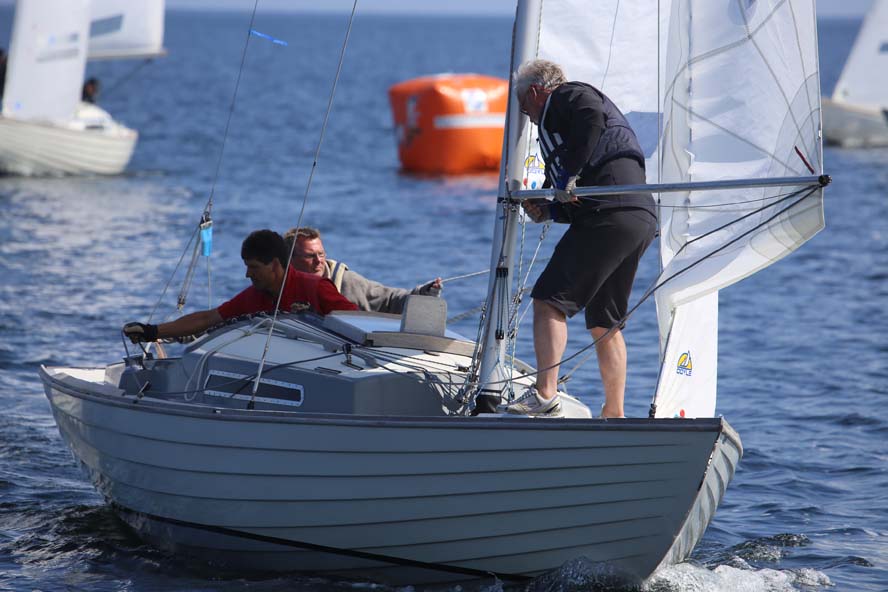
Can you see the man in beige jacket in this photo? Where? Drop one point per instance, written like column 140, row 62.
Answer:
column 309, row 256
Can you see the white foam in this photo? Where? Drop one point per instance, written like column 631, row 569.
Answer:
column 686, row 577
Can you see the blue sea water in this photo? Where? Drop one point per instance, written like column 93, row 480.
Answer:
column 803, row 351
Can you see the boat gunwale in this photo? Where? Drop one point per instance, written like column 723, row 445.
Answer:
column 116, row 132
column 151, row 405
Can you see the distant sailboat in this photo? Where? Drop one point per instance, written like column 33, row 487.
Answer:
column 857, row 114
column 45, row 129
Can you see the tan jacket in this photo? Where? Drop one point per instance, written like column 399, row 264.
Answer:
column 370, row 295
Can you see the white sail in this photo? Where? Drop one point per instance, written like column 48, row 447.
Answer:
column 863, row 82
column 689, row 370
column 615, row 47
column 715, row 91
column 47, row 58
column 126, row 29
column 742, row 101
column 612, row 45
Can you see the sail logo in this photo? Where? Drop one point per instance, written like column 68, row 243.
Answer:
column 58, row 47
column 685, row 366
column 534, row 172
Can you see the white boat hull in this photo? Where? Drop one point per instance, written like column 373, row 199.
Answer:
column 40, row 148
column 510, row 495
column 850, row 126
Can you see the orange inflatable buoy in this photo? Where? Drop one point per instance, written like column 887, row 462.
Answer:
column 450, row 123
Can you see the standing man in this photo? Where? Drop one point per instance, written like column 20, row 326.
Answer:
column 309, row 256
column 265, row 255
column 585, row 141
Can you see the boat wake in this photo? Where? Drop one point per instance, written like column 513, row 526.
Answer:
column 740, row 575
column 745, row 566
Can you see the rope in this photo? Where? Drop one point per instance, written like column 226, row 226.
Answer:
column 189, row 277
column 390, row 559
column 522, row 287
column 172, row 275
column 659, row 284
column 314, row 167
column 466, row 314
column 467, row 275
column 125, row 78
column 209, row 207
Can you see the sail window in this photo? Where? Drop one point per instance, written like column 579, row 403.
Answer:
column 106, row 26
column 231, row 385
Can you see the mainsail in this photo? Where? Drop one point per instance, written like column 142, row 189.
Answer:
column 47, row 58
column 122, row 29
column 716, row 91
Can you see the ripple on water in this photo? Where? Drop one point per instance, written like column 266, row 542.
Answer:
column 770, row 548
column 579, row 574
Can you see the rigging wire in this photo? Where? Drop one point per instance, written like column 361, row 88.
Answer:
column 125, row 78
column 464, row 276
column 314, row 167
column 207, row 211
column 189, row 277
column 611, row 46
column 464, row 315
column 656, row 285
column 209, row 207
column 173, row 274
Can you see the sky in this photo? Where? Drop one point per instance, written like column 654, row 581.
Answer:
column 828, row 8
column 478, row 7
column 501, row 7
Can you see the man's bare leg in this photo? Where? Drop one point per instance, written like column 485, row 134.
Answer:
column 549, row 342
column 612, row 364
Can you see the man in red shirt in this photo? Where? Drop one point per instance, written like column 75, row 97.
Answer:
column 265, row 254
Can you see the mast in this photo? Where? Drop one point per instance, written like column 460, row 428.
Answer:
column 493, row 375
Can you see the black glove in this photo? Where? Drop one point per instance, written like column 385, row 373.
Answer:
column 433, row 288
column 139, row 332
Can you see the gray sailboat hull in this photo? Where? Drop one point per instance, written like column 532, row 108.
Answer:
column 380, row 497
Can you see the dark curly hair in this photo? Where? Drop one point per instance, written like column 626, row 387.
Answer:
column 265, row 245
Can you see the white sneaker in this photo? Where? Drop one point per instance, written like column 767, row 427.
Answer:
column 531, row 403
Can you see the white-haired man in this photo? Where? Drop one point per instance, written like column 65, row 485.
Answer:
column 585, row 140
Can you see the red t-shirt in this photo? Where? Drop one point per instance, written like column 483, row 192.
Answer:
column 319, row 293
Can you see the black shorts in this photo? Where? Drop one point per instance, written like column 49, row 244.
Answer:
column 594, row 265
